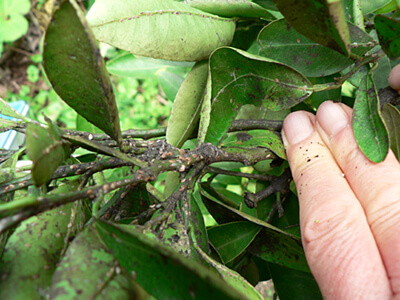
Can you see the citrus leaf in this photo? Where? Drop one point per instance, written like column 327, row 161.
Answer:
column 307, row 56
column 83, row 125
column 46, row 150
column 170, row 83
column 231, row 239
column 388, row 8
column 294, row 284
column 368, row 127
column 6, row 124
column 239, row 78
column 85, row 267
column 369, row 6
column 388, row 31
column 152, row 263
column 322, row 21
column 271, row 244
column 256, row 138
column 317, row 98
column 33, row 251
column 76, row 70
column 391, row 117
column 128, row 65
column 229, row 9
column 187, row 104
column 159, row 28
column 231, row 277
column 8, row 168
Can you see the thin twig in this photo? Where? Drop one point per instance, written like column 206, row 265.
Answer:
column 262, row 177
column 279, row 184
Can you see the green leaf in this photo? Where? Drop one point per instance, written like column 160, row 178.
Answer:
column 76, row 70
column 293, row 284
column 381, row 73
column 8, row 168
column 256, row 138
column 46, row 150
column 268, row 4
column 230, row 9
column 128, row 65
column 369, row 6
column 231, row 239
column 152, row 264
column 33, row 251
column 271, row 244
column 83, row 125
column 239, row 78
column 7, row 110
column 170, row 83
column 13, row 24
column 84, row 272
column 391, row 117
column 163, row 29
column 389, row 7
column 322, row 21
column 198, row 231
column 187, row 104
column 232, row 278
column 6, row 124
column 368, row 127
column 205, row 112
column 388, row 31
column 281, row 42
column 289, row 222
column 317, row 98
column 175, row 235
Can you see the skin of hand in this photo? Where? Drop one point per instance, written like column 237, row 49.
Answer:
column 349, row 206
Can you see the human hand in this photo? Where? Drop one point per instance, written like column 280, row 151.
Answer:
column 349, row 206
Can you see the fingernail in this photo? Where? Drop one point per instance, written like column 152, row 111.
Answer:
column 297, row 127
column 332, row 117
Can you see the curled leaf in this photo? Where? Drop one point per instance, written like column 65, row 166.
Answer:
column 369, row 130
column 46, row 150
column 391, row 117
column 239, row 78
column 321, row 21
column 187, row 104
column 305, row 55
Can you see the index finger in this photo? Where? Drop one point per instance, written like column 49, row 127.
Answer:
column 339, row 246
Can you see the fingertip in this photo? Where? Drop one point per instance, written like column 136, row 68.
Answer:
column 332, row 117
column 297, row 127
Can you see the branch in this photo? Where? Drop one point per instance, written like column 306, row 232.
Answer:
column 373, row 58
column 279, row 184
column 159, row 157
column 262, row 177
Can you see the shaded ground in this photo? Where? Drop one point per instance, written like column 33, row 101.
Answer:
column 17, row 57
